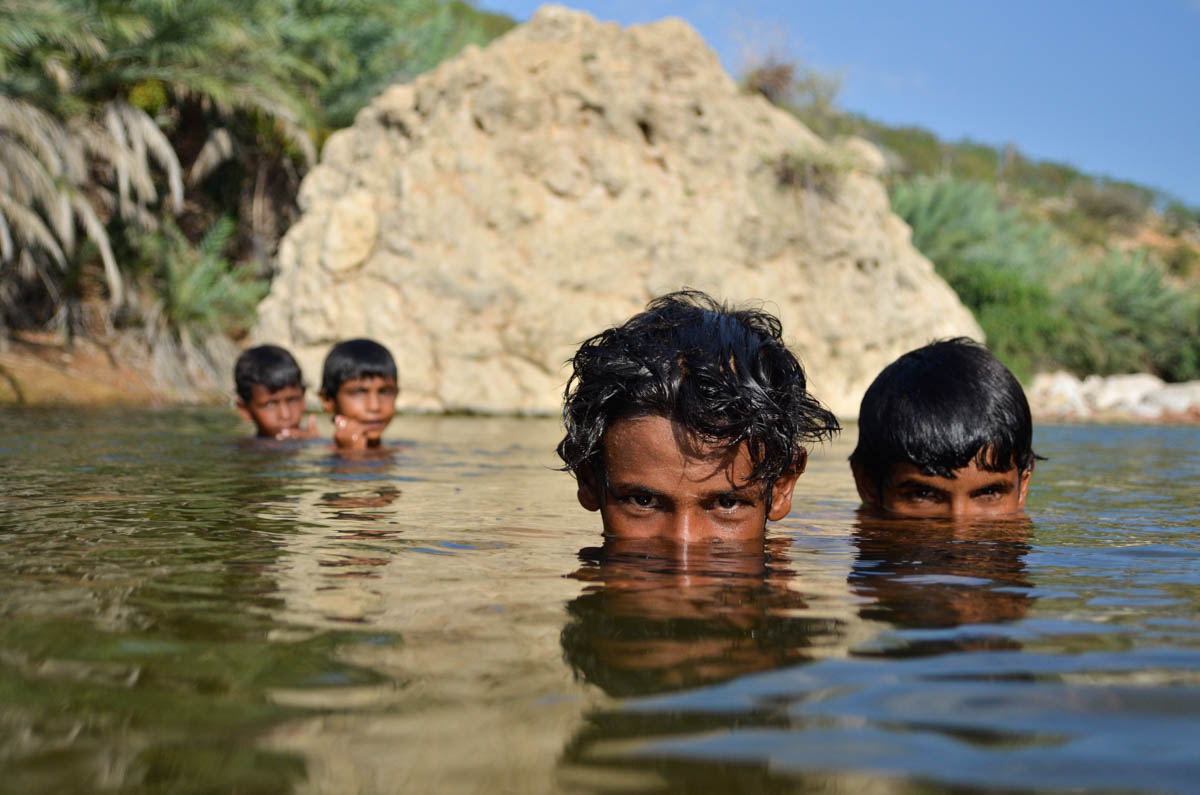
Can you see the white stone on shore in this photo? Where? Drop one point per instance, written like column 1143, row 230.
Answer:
column 1177, row 398
column 1138, row 396
column 1058, row 394
column 1119, row 394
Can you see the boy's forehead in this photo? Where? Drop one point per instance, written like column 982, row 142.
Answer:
column 638, row 443
column 369, row 380
column 258, row 391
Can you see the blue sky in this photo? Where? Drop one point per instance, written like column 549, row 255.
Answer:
column 1110, row 87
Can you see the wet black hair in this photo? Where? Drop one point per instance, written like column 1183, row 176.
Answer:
column 723, row 374
column 359, row 358
column 267, row 365
column 941, row 407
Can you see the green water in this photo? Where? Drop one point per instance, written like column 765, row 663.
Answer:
column 181, row 612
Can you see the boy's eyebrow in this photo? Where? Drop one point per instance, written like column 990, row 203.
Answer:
column 1003, row 484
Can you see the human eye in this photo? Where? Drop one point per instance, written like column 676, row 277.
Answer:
column 640, row 501
column 729, row 502
column 990, row 493
column 922, row 494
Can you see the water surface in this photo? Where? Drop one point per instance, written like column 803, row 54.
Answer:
column 185, row 613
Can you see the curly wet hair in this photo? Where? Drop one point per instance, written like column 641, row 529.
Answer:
column 723, row 374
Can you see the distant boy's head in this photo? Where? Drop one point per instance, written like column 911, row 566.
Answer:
column 358, row 382
column 689, row 422
column 270, row 389
column 944, row 431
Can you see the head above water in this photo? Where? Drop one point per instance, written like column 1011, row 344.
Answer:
column 359, row 386
column 943, row 418
column 270, row 390
column 268, row 366
column 690, row 390
column 357, row 358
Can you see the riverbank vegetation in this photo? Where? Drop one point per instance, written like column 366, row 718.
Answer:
column 151, row 150
column 1062, row 269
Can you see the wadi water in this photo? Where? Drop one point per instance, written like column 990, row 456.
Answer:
column 182, row 611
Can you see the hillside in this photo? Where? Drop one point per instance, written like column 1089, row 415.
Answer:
column 1062, row 269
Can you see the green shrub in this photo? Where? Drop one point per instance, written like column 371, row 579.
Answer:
column 198, row 292
column 1122, row 316
column 1119, row 203
column 1043, row 304
column 1020, row 317
column 961, row 221
column 1183, row 260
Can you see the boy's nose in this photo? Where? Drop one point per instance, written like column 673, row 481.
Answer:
column 686, row 528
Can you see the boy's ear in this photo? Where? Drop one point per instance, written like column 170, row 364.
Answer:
column 587, row 494
column 782, row 488
column 329, row 403
column 1023, row 485
column 868, row 489
column 243, row 411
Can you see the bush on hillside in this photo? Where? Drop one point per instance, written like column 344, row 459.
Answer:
column 962, row 221
column 1122, row 316
column 1115, row 203
column 1043, row 304
column 1020, row 317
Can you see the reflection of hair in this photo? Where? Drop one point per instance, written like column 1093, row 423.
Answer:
column 352, row 359
column 724, row 375
column 268, row 366
column 609, row 647
column 941, row 407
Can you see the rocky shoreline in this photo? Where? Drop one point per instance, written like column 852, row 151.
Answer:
column 1138, row 397
column 40, row 370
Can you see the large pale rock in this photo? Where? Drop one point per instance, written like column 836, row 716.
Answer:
column 1125, row 397
column 1058, row 395
column 1119, row 394
column 1176, row 399
column 484, row 219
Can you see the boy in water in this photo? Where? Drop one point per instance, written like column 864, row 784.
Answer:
column 688, row 422
column 270, row 393
column 944, row 431
column 359, row 388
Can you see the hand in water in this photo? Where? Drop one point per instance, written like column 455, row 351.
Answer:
column 302, row 431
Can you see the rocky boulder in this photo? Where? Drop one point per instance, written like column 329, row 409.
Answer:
column 484, row 219
column 1137, row 397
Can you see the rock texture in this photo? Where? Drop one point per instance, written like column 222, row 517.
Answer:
column 484, row 219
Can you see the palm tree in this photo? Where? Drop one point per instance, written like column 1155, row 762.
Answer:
column 89, row 92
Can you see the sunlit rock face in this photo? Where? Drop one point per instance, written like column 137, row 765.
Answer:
column 486, row 218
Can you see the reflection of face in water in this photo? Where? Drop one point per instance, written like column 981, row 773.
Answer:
column 658, row 616
column 927, row 574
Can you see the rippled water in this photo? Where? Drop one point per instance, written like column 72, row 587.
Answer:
column 181, row 612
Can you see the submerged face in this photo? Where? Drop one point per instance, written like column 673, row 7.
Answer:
column 273, row 411
column 972, row 492
column 663, row 485
column 369, row 401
